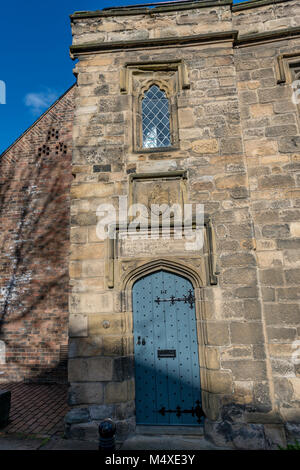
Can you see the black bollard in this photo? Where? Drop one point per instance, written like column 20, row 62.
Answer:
column 107, row 431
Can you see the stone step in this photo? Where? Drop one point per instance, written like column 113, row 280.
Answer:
column 168, row 442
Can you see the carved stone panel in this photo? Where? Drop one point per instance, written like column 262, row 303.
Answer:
column 162, row 189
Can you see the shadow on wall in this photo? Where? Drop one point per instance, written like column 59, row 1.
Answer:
column 34, row 247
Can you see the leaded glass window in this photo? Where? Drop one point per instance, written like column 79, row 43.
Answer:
column 156, row 118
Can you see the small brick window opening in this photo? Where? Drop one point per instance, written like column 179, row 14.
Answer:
column 156, row 118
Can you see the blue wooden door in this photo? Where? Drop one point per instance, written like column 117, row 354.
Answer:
column 166, row 351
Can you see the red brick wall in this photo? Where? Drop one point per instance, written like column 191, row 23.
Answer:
column 35, row 178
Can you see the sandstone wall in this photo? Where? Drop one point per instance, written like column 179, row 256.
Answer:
column 270, row 122
column 261, row 18
column 170, row 23
column 238, row 142
column 211, row 150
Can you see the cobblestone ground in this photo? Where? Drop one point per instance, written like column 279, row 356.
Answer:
column 36, row 408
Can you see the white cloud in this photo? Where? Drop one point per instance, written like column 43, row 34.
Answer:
column 39, row 102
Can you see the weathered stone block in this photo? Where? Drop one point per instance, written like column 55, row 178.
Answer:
column 289, row 293
column 124, row 368
column 276, row 181
column 276, row 93
column 245, row 292
column 272, row 277
column 275, row 131
column 93, row 369
column 245, row 369
column 116, row 392
column 217, row 333
column 78, row 326
column 205, row 146
column 282, row 313
column 240, row 436
column 86, row 190
column 268, row 259
column 276, row 231
column 244, row 276
column 289, row 144
column 236, row 352
column 87, row 347
column 89, row 251
column 92, row 303
column 238, row 259
column 252, row 309
column 78, row 234
column 85, row 393
column 212, row 358
column 100, row 412
column 246, row 333
column 106, row 324
column 113, row 346
column 260, row 148
column 77, row 415
column 261, row 393
column 261, row 110
column 93, row 268
column 292, row 276
column 240, row 231
column 282, row 367
column 75, row 269
column 83, row 431
column 281, row 333
column 219, row 382
column 268, row 294
column 291, row 244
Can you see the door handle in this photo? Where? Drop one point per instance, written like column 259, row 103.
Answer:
column 139, row 341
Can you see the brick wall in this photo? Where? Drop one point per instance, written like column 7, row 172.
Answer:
column 35, row 177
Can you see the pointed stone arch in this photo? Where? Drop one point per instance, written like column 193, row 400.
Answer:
column 198, row 281
column 175, row 266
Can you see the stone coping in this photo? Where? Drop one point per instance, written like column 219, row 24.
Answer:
column 142, row 10
column 126, row 11
column 255, row 3
column 92, row 47
column 155, row 42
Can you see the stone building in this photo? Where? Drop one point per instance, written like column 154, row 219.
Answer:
column 162, row 333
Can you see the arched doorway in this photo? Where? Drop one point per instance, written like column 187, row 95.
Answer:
column 167, row 372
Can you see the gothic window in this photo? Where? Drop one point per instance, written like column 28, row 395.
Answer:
column 156, row 118
column 295, row 71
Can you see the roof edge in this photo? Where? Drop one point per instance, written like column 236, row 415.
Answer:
column 132, row 10
column 255, row 4
column 36, row 121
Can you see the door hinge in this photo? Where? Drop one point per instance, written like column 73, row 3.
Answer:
column 187, row 299
column 195, row 411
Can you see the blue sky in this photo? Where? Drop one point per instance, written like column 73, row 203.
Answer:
column 35, row 65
